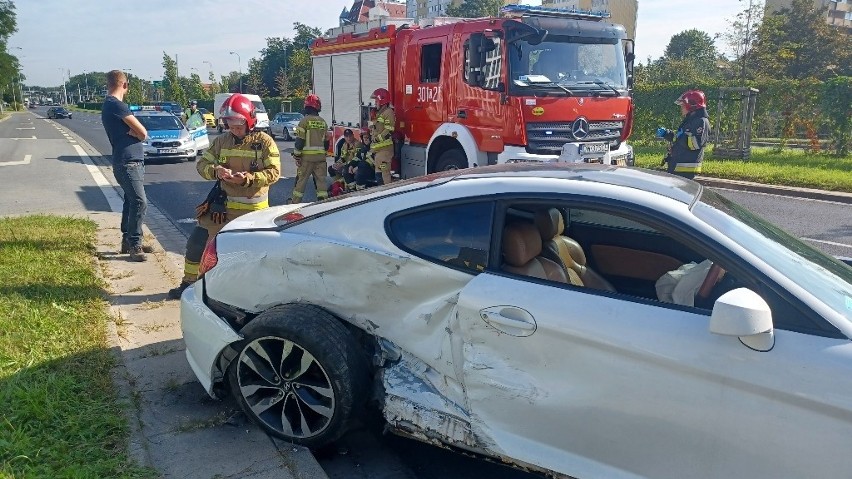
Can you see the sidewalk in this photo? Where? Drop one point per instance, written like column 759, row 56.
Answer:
column 177, row 428
column 836, row 196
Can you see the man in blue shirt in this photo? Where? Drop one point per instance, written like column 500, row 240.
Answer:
column 126, row 134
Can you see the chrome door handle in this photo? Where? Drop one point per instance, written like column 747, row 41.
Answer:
column 509, row 319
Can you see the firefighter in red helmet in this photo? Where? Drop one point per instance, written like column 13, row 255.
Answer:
column 245, row 164
column 381, row 135
column 310, row 150
column 693, row 134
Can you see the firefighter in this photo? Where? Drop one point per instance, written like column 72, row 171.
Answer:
column 381, row 132
column 309, row 152
column 364, row 169
column 245, row 163
column 345, row 161
column 687, row 143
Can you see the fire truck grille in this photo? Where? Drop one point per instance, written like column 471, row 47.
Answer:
column 547, row 138
column 165, row 144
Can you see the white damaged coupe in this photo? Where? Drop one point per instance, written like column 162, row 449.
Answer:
column 584, row 321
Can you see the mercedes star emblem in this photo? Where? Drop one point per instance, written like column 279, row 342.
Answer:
column 580, row 128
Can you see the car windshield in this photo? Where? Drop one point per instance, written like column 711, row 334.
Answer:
column 258, row 106
column 291, row 116
column 61, row 110
column 160, row 122
column 203, row 111
column 826, row 278
column 567, row 61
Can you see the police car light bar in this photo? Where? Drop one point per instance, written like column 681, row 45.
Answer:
column 514, row 11
column 150, row 108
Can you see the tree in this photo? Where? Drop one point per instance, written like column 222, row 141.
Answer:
column 741, row 34
column 797, row 43
column 9, row 65
column 255, row 78
column 475, row 8
column 194, row 88
column 694, row 47
column 134, row 91
column 174, row 90
column 282, row 83
column 300, row 72
column 274, row 58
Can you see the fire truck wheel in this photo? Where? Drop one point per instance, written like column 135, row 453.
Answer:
column 451, row 160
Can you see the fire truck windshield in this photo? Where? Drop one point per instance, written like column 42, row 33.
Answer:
column 584, row 65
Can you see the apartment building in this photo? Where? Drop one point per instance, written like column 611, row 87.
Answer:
column 623, row 12
column 838, row 12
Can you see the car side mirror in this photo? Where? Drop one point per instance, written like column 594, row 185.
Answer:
column 743, row 313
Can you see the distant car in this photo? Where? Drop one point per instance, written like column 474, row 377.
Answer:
column 583, row 321
column 284, row 124
column 209, row 119
column 58, row 112
column 168, row 137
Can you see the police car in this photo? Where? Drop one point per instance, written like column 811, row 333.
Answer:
column 168, row 138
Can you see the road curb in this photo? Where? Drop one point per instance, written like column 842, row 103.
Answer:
column 810, row 193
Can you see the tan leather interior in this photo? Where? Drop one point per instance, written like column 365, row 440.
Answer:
column 521, row 249
column 632, row 263
column 566, row 251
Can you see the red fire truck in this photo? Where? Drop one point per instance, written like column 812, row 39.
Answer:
column 538, row 84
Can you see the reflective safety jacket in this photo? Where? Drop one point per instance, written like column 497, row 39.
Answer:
column 311, row 136
column 346, row 153
column 381, row 131
column 688, row 142
column 256, row 154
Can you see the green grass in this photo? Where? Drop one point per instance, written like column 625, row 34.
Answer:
column 788, row 167
column 59, row 413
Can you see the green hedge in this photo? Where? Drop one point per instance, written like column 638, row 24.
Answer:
column 786, row 109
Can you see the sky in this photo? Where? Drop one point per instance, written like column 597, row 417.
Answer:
column 55, row 36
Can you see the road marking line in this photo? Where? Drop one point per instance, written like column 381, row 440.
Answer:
column 25, row 161
column 33, row 128
column 832, row 243
column 31, row 138
column 112, row 197
column 186, row 221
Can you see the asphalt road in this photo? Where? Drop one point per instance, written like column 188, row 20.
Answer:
column 175, row 188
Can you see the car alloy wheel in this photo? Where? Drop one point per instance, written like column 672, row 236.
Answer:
column 299, row 374
column 285, row 387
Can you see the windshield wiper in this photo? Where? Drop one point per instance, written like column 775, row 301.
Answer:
column 544, row 82
column 601, row 84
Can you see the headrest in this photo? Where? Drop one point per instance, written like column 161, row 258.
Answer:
column 549, row 223
column 521, row 243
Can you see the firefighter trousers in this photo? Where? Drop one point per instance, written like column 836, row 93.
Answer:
column 311, row 165
column 383, row 159
column 197, row 241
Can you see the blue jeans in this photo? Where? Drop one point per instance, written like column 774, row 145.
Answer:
column 131, row 178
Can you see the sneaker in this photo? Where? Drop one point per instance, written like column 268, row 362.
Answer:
column 137, row 255
column 177, row 291
column 125, row 248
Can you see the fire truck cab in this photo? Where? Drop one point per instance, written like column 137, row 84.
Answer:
column 538, row 85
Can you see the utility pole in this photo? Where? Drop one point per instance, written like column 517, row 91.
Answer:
column 746, row 42
column 240, row 65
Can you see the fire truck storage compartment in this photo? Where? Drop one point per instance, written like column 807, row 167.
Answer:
column 345, row 81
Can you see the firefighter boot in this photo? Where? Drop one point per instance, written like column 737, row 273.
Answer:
column 177, row 291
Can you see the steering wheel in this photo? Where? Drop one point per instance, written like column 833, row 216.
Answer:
column 713, row 276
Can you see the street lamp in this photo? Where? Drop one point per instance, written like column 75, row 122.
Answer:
column 20, row 79
column 211, row 66
column 240, row 64
column 64, row 91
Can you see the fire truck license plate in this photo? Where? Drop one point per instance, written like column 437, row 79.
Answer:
column 592, row 148
column 166, row 151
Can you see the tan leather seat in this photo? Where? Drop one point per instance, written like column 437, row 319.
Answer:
column 521, row 249
column 566, row 251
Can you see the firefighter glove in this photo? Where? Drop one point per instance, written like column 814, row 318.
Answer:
column 661, row 132
column 218, row 213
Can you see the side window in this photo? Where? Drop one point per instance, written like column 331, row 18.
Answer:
column 492, row 69
column 430, row 63
column 458, row 235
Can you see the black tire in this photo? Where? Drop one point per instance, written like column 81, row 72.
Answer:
column 219, row 128
column 287, row 136
column 454, row 159
column 324, row 395
column 270, row 134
